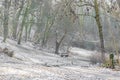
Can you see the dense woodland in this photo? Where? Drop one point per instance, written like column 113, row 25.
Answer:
column 59, row 24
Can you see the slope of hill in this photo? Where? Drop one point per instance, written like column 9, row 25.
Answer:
column 30, row 64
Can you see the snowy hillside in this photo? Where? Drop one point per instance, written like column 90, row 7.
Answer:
column 30, row 64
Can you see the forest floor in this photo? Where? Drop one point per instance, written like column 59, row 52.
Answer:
column 30, row 64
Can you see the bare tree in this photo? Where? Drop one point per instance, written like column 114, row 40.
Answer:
column 59, row 42
column 23, row 22
column 17, row 13
column 6, row 18
column 100, row 28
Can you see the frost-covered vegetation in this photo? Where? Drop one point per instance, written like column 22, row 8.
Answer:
column 59, row 39
column 30, row 64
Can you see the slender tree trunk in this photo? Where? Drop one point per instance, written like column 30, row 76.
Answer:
column 30, row 27
column 6, row 18
column 45, row 32
column 22, row 24
column 58, row 43
column 26, row 33
column 16, row 18
column 37, row 34
column 97, row 18
column 57, row 47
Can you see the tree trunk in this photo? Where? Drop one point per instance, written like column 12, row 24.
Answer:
column 58, row 43
column 16, row 18
column 57, row 48
column 30, row 28
column 23, row 23
column 6, row 18
column 97, row 18
column 26, row 33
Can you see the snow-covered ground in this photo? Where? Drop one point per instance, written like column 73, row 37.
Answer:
column 30, row 64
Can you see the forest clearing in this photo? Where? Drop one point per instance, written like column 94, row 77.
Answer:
column 60, row 40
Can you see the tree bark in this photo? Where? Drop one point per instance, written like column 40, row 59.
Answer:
column 100, row 28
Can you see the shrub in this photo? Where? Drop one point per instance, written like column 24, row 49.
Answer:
column 109, row 62
column 95, row 58
column 112, row 63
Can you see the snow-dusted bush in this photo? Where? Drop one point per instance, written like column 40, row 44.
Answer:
column 95, row 58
